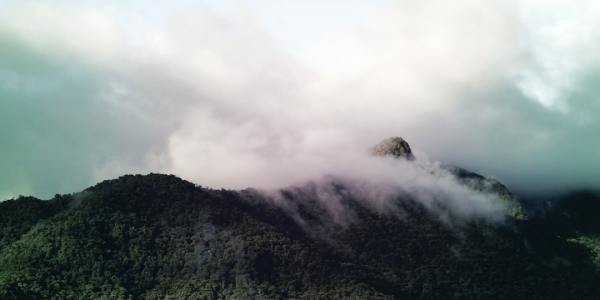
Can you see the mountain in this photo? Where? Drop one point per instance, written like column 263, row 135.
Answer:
column 394, row 146
column 399, row 148
column 490, row 185
column 159, row 237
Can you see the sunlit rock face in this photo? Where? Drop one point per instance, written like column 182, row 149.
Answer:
column 394, row 146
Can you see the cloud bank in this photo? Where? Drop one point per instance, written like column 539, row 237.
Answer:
column 390, row 186
column 233, row 96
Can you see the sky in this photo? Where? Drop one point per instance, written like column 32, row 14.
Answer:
column 232, row 94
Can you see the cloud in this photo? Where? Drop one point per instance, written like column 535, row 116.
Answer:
column 61, row 123
column 390, row 187
column 561, row 42
column 218, row 96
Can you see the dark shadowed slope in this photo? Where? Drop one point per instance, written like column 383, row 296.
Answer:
column 159, row 237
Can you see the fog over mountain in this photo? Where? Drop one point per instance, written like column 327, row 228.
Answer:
column 455, row 196
column 267, row 95
column 230, row 149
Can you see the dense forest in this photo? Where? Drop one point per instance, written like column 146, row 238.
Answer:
column 160, row 237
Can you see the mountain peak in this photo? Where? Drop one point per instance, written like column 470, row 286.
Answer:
column 393, row 146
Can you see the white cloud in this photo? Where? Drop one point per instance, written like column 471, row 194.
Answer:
column 560, row 40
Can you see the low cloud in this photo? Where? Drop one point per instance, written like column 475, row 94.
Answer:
column 386, row 185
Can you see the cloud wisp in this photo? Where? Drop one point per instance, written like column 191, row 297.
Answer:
column 388, row 186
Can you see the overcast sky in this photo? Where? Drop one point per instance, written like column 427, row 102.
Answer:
column 268, row 93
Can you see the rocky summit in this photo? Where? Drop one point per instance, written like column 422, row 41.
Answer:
column 395, row 146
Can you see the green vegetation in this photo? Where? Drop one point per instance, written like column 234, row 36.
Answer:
column 159, row 237
column 592, row 243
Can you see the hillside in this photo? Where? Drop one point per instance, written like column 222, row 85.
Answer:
column 159, row 237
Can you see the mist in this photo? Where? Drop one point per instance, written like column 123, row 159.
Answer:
column 387, row 186
column 232, row 96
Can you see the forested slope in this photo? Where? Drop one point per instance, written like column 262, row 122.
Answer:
column 159, row 237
